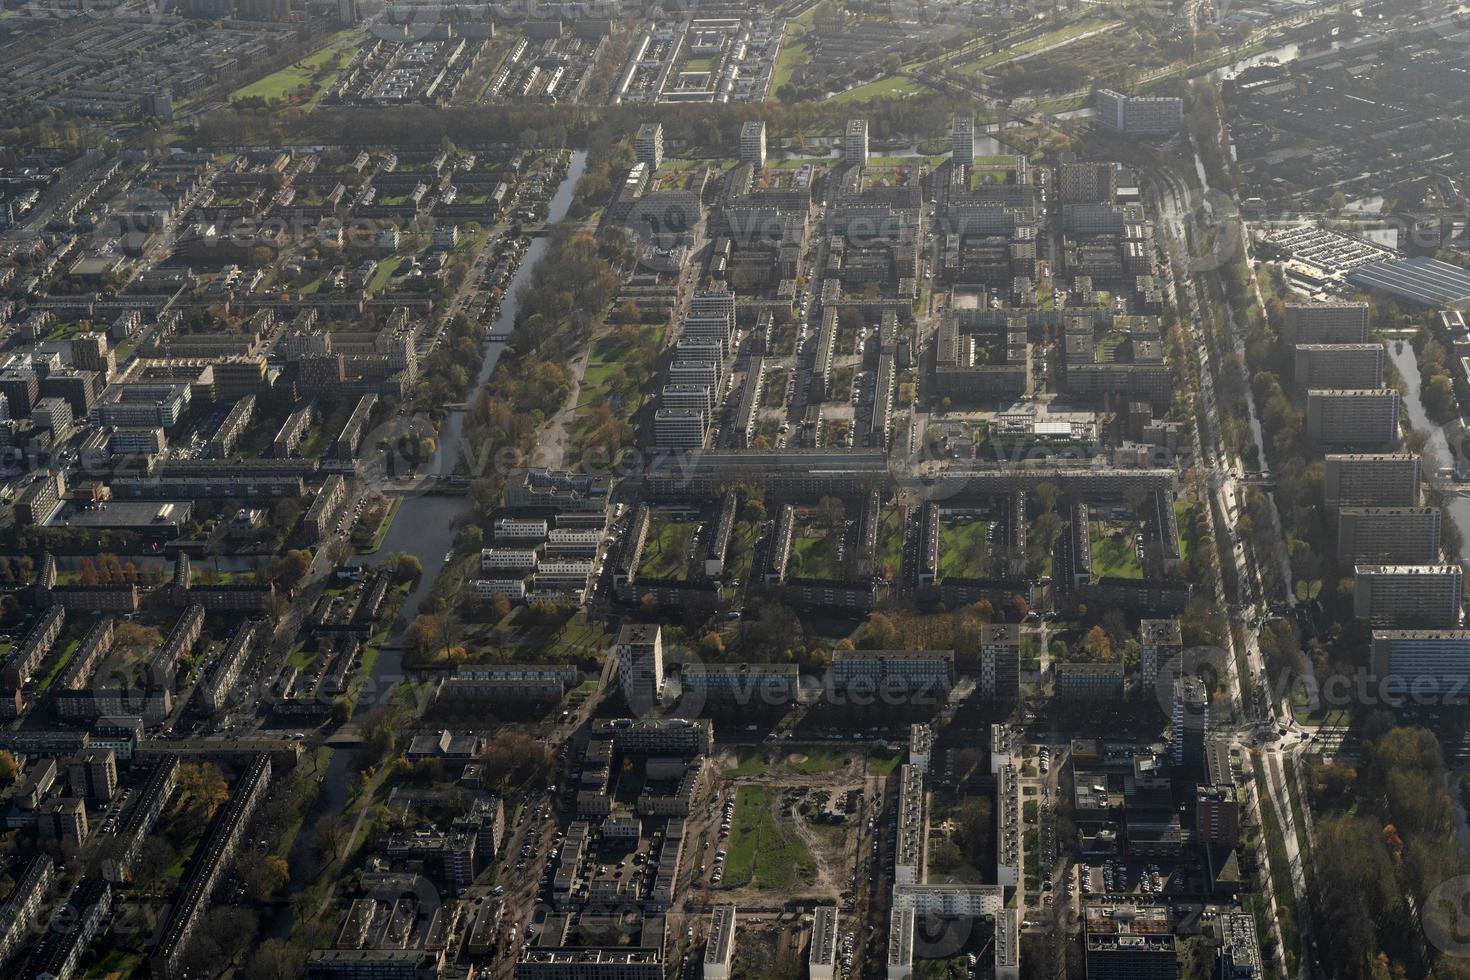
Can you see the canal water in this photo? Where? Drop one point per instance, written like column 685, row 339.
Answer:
column 424, row 527
column 1456, row 508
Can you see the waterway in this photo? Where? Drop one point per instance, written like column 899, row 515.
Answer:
column 425, row 526
column 1458, row 508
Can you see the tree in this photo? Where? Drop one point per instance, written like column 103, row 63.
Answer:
column 514, row 759
column 1097, row 646
column 155, row 857
column 9, row 767
column 289, row 569
column 276, row 960
column 407, row 568
column 331, row 835
column 471, row 539
column 973, row 827
column 204, row 788
column 878, row 633
column 830, row 512
column 266, row 876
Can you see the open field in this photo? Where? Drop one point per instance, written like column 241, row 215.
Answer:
column 890, row 87
column 314, row 71
column 793, row 52
column 1051, row 39
column 1114, row 553
column 764, row 851
column 815, row 553
column 963, row 550
column 667, row 553
column 817, row 760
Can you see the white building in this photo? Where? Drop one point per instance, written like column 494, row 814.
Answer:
column 640, row 653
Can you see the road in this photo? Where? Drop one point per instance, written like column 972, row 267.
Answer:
column 1175, row 205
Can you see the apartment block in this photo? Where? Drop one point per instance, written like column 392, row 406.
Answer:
column 1138, row 115
column 1160, row 644
column 1371, row 480
column 648, row 145
column 1408, row 596
column 1000, row 661
column 678, row 428
column 1339, row 366
column 1359, row 418
column 641, row 664
column 899, row 671
column 1388, row 535
column 753, row 144
column 1423, row 662
column 855, row 143
column 1089, row 682
column 1326, row 323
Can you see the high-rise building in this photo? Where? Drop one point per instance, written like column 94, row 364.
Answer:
column 963, row 137
column 753, row 144
column 1360, row 418
column 94, row 774
column 1435, row 663
column 1217, row 815
column 855, row 143
column 1371, row 479
column 641, row 665
column 648, row 145
column 1138, row 115
column 1129, row 942
column 1095, row 183
column 822, row 959
column 1189, row 721
column 1161, row 643
column 1388, row 535
column 1339, row 366
column 678, row 428
column 89, row 352
column 1408, row 596
column 719, row 951
column 1326, row 323
column 1000, row 661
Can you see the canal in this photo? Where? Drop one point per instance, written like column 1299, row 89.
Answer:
column 1457, row 508
column 424, row 527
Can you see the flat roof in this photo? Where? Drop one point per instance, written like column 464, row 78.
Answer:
column 1419, row 279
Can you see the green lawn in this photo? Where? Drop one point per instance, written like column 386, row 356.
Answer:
column 890, row 543
column 58, row 664
column 1114, row 554
column 884, row 764
column 890, row 87
column 1058, row 36
column 814, row 554
column 816, row 760
column 1182, row 512
column 613, row 365
column 666, row 555
column 963, row 551
column 383, row 272
column 278, row 84
column 793, row 52
column 764, row 852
